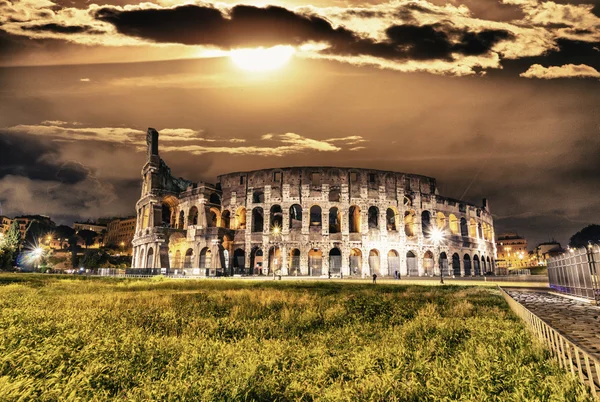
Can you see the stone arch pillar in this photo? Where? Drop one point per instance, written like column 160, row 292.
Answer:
column 284, row 259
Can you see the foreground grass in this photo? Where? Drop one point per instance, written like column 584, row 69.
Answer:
column 67, row 339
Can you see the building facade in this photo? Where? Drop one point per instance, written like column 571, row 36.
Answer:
column 307, row 221
column 512, row 251
column 120, row 232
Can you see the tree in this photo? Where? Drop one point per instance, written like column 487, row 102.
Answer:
column 9, row 248
column 64, row 232
column 586, row 235
column 88, row 236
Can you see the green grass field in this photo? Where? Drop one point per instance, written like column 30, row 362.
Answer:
column 227, row 340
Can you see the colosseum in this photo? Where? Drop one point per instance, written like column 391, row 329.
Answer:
column 311, row 221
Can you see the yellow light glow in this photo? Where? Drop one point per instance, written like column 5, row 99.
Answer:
column 261, row 59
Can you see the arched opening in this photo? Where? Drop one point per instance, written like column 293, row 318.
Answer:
column 467, row 264
column 193, row 216
column 276, row 220
column 440, row 220
column 409, row 223
column 490, row 266
column 315, row 262
column 354, row 219
column 239, row 261
column 274, row 260
column 483, row 266
column 316, row 218
column 166, row 215
column 335, row 261
column 258, row 197
column 393, row 263
column 479, row 231
column 428, row 263
column 294, row 262
column 476, row 267
column 189, row 258
column 426, row 223
column 181, row 222
column 464, row 230
column 335, row 220
column 453, row 223
column 177, row 260
column 390, row 218
column 214, row 199
column 150, row 258
column 296, row 217
column 412, row 267
column 240, row 219
column 455, row 264
column 213, row 217
column 373, row 217
column 443, row 264
column 258, row 220
column 226, row 219
column 374, row 262
column 355, row 262
column 472, row 228
column 256, row 260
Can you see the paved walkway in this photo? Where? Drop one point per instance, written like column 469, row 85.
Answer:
column 578, row 321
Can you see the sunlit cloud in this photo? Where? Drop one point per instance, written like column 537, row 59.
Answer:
column 565, row 71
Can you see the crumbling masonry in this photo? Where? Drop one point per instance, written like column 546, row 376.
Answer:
column 306, row 221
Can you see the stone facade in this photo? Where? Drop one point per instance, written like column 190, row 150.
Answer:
column 307, row 221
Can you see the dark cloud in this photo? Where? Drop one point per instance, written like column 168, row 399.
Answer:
column 36, row 160
column 269, row 26
column 62, row 29
column 493, row 10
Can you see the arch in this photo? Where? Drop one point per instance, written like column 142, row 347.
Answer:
column 335, row 261
column 390, row 218
column 315, row 262
column 316, row 217
column 193, row 216
column 440, row 220
column 453, row 224
column 464, row 230
column 213, row 217
column 455, row 264
column 189, row 258
column 258, row 197
column 355, row 262
column 295, row 217
column 166, row 214
column 472, row 228
column 256, row 261
column 426, row 223
column 276, row 219
column 443, row 263
column 258, row 220
column 374, row 262
column 177, row 263
column 181, row 221
column 240, row 219
column 467, row 264
column 483, row 266
column 150, row 258
column 412, row 267
column 274, row 259
column 294, row 262
column 214, row 199
column 354, row 219
column 226, row 219
column 476, row 266
column 393, row 260
column 428, row 263
column 409, row 223
column 335, row 220
column 373, row 217
column 239, row 261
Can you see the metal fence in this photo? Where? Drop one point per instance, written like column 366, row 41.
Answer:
column 576, row 273
column 569, row 356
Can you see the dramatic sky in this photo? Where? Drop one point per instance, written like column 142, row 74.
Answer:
column 494, row 98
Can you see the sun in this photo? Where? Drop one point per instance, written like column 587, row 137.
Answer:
column 261, row 59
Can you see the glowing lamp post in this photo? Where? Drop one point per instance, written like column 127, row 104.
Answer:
column 37, row 254
column 437, row 236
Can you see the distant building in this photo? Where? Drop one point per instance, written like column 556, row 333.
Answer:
column 24, row 221
column 544, row 251
column 512, row 251
column 93, row 226
column 5, row 223
column 120, row 233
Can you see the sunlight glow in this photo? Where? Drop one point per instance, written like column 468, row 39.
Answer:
column 261, row 59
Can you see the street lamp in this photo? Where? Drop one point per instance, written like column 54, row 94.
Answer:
column 437, row 236
column 37, row 254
